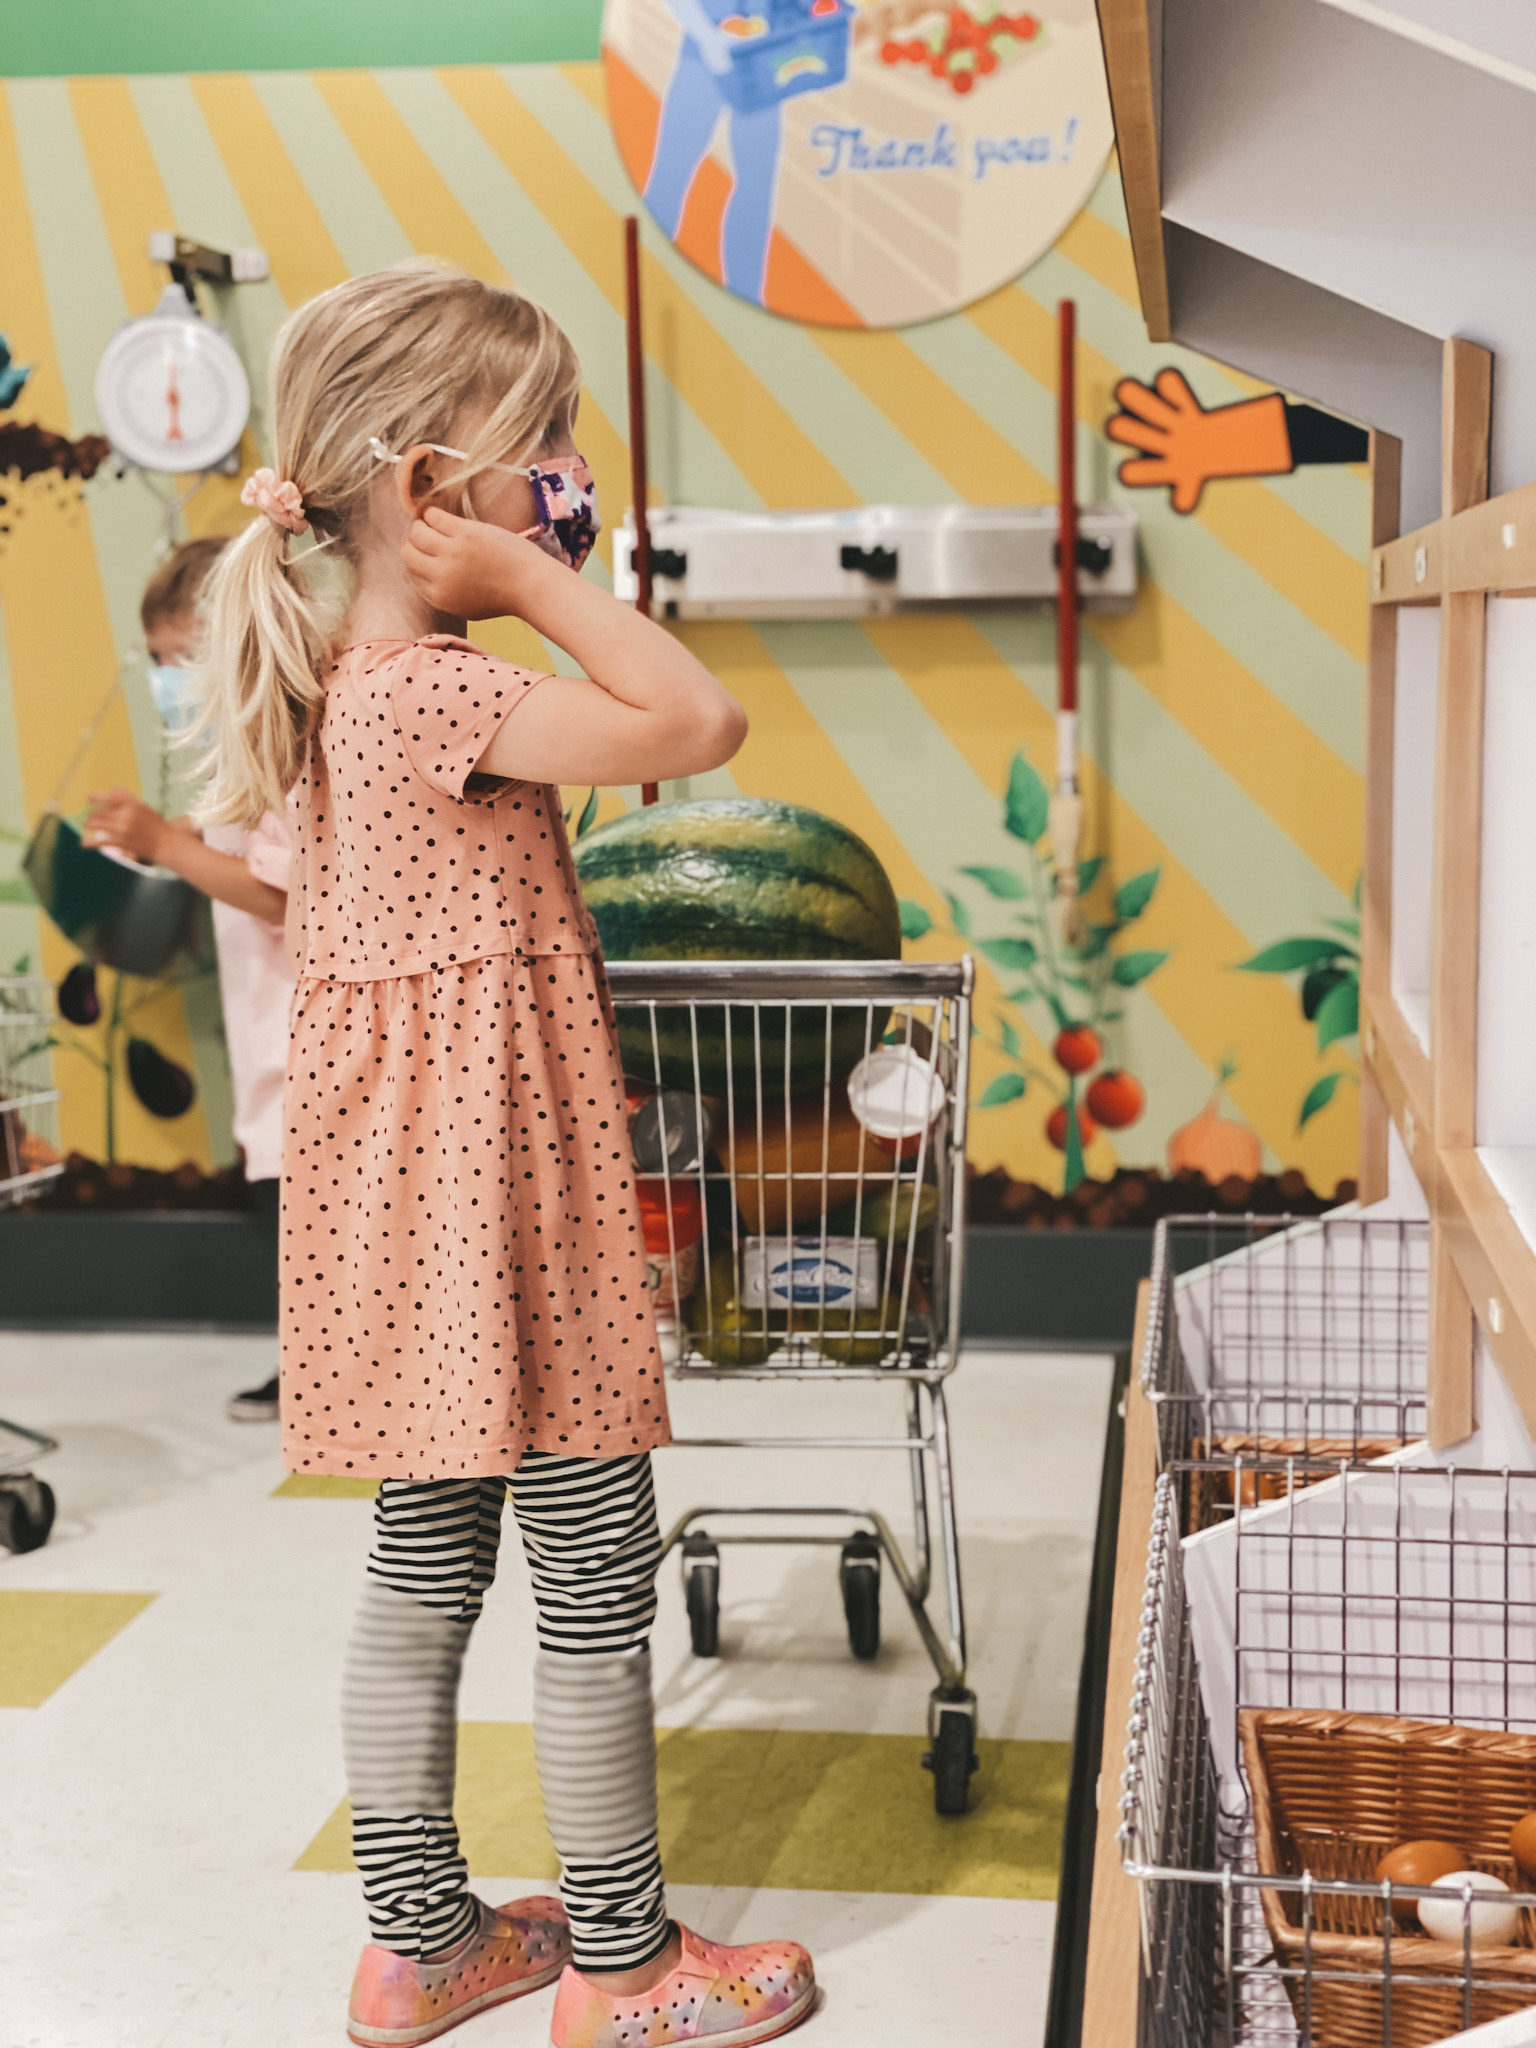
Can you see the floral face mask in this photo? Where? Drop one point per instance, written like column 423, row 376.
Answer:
column 563, row 491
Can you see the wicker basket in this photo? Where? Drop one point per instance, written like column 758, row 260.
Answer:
column 1332, row 1793
column 1212, row 1492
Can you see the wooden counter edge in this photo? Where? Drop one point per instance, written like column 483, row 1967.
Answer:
column 1114, row 1928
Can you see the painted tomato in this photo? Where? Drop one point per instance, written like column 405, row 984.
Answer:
column 1056, row 1126
column 1116, row 1098
column 1077, row 1049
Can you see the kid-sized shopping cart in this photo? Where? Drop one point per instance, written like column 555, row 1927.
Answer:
column 799, row 1131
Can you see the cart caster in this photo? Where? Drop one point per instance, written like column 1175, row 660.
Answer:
column 26, row 1512
column 858, row 1574
column 952, row 1757
column 701, row 1589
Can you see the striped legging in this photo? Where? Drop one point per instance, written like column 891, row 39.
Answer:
column 589, row 1530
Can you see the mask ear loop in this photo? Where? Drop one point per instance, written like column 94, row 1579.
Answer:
column 532, row 471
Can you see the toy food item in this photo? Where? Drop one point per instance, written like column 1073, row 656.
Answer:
column 724, row 1331
column 1522, row 1845
column 1442, row 1912
column 883, row 1199
column 739, row 878
column 896, row 1094
column 759, row 1161
column 1418, row 1863
column 859, row 1336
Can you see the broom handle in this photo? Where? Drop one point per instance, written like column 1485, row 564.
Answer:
column 638, row 480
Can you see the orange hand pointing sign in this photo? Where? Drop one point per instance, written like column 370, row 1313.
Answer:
column 1185, row 447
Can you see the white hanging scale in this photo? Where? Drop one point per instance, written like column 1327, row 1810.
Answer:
column 171, row 391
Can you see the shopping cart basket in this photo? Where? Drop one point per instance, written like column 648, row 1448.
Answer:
column 799, row 1132
column 1278, row 1348
column 29, row 1158
column 1324, row 1678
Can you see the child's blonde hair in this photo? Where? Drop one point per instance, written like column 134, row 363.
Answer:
column 402, row 356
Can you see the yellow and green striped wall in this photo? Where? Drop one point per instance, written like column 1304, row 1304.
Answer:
column 1222, row 718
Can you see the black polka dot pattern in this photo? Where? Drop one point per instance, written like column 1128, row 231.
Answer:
column 463, row 1269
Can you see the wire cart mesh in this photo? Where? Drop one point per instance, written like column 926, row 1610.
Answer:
column 799, row 1136
column 29, row 1158
column 1278, row 1349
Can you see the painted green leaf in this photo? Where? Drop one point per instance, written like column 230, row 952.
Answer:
column 1088, row 873
column 999, row 882
column 1016, row 955
column 1098, row 937
column 17, row 890
column 1338, row 1014
column 1133, row 896
column 588, row 816
column 1289, row 954
column 959, row 916
column 1010, row 1038
column 1319, row 1095
column 915, row 921
column 1003, row 1088
column 1133, row 967
column 1028, row 806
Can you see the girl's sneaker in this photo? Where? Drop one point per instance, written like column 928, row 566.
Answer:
column 725, row 1997
column 516, row 1948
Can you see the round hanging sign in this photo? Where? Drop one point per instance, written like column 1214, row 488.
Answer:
column 859, row 163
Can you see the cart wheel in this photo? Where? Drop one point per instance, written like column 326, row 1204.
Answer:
column 26, row 1512
column 701, row 1589
column 859, row 1576
column 952, row 1758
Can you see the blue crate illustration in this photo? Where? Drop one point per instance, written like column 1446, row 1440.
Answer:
column 800, row 51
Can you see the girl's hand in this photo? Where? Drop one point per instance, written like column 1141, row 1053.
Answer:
column 469, row 569
column 123, row 820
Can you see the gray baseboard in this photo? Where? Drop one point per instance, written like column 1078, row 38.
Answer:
column 122, row 1269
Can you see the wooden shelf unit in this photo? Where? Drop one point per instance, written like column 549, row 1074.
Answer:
column 1483, row 1268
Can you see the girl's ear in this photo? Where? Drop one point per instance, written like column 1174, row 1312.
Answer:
column 416, row 478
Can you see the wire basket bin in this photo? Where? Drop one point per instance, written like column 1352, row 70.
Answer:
column 1322, row 1680
column 799, row 1137
column 29, row 1115
column 1284, row 1348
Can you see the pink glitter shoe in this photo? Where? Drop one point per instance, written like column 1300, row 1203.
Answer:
column 517, row 1947
column 726, row 1997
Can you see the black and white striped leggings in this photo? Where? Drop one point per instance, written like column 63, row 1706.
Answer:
column 589, row 1530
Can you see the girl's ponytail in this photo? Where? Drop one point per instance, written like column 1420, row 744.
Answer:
column 396, row 357
column 268, row 637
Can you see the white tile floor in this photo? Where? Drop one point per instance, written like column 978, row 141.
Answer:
column 152, row 1809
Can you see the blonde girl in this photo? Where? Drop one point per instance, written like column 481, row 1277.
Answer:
column 464, row 1310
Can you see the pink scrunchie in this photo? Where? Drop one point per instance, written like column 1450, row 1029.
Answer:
column 280, row 501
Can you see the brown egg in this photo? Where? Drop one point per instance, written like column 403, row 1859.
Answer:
column 1522, row 1845
column 1421, row 1863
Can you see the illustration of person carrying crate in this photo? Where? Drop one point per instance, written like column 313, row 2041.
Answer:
column 743, row 65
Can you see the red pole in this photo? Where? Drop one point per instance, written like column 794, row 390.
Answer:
column 1066, row 473
column 638, row 479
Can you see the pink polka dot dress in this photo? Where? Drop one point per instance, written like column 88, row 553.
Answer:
column 463, row 1268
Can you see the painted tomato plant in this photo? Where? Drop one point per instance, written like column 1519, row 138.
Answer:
column 1068, row 990
column 1328, row 964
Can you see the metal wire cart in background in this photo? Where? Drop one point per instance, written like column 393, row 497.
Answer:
column 799, row 1131
column 1337, row 1656
column 29, row 1157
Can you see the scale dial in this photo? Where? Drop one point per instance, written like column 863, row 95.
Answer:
column 171, row 391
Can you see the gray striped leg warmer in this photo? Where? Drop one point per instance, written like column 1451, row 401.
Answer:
column 589, row 1531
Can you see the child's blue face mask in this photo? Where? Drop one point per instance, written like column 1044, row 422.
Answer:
column 177, row 691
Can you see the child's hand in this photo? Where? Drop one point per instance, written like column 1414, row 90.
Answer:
column 123, row 820
column 466, row 568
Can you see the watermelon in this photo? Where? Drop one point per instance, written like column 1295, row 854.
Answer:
column 739, row 878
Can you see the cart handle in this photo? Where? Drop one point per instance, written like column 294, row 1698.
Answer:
column 817, row 981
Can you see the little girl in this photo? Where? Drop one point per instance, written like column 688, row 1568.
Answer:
column 464, row 1307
